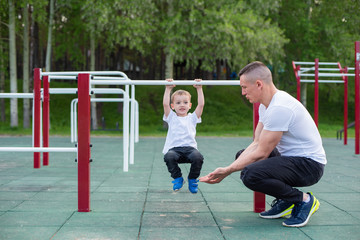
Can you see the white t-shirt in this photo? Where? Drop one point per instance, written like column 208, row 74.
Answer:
column 181, row 131
column 300, row 134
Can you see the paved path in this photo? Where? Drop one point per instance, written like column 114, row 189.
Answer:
column 140, row 204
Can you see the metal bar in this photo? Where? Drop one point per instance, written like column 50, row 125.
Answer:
column 357, row 97
column 328, row 74
column 162, row 83
column 37, row 115
column 70, row 73
column 84, row 143
column 46, row 119
column 16, row 95
column 321, row 81
column 313, row 63
column 37, row 149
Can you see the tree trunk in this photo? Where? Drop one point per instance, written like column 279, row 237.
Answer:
column 169, row 66
column 92, row 68
column 49, row 40
column 2, row 80
column 26, row 108
column 12, row 62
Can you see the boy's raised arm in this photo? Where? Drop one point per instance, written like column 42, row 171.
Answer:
column 201, row 99
column 166, row 98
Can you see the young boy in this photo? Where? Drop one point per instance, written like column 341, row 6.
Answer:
column 180, row 145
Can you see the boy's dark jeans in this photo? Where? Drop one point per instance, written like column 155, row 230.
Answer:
column 278, row 176
column 178, row 155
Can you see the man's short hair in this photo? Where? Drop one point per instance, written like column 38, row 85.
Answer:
column 256, row 70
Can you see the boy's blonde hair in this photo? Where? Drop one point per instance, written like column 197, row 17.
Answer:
column 179, row 93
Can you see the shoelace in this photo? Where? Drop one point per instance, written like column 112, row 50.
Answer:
column 274, row 202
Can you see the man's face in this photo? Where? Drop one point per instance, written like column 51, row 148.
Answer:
column 249, row 90
column 181, row 105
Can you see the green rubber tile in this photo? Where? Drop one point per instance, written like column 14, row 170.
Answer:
column 183, row 195
column 181, row 233
column 8, row 204
column 125, row 189
column 348, row 202
column 55, row 196
column 16, row 196
column 248, row 219
column 165, row 219
column 29, row 233
column 116, row 206
column 34, row 219
column 228, row 196
column 348, row 232
column 261, row 232
column 171, row 207
column 121, row 196
column 104, row 219
column 47, row 206
column 87, row 233
column 230, row 206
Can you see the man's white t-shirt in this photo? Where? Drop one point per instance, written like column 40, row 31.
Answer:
column 181, row 131
column 300, row 134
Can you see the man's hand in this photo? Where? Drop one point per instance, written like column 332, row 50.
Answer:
column 216, row 176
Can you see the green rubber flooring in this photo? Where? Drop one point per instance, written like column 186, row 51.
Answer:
column 140, row 204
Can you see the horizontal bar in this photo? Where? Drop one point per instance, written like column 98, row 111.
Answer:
column 106, row 100
column 109, row 78
column 37, row 149
column 72, row 73
column 328, row 74
column 62, row 77
column 16, row 95
column 321, row 81
column 162, row 82
column 313, row 63
column 95, row 90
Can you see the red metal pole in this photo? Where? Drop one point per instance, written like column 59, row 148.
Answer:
column 83, row 143
column 298, row 83
column 345, row 106
column 259, row 198
column 316, row 95
column 36, row 117
column 357, row 98
column 46, row 119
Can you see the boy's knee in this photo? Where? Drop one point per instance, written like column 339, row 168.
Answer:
column 170, row 156
column 196, row 156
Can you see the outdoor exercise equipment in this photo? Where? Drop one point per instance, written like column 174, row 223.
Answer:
column 318, row 73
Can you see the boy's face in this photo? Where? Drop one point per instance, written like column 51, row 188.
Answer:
column 181, row 105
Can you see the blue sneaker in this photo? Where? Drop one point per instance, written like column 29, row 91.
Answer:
column 302, row 212
column 178, row 183
column 193, row 186
column 279, row 208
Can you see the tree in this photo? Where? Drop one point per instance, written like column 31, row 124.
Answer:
column 12, row 65
column 49, row 39
column 26, row 58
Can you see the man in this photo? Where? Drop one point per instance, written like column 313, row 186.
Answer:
column 284, row 127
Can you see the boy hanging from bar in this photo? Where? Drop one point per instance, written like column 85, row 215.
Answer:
column 180, row 145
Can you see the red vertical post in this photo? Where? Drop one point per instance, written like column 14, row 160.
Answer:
column 46, row 119
column 259, row 198
column 316, row 95
column 345, row 105
column 83, row 143
column 298, row 83
column 357, row 98
column 37, row 115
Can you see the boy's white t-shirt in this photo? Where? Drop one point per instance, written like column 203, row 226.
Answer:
column 300, row 134
column 181, row 131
